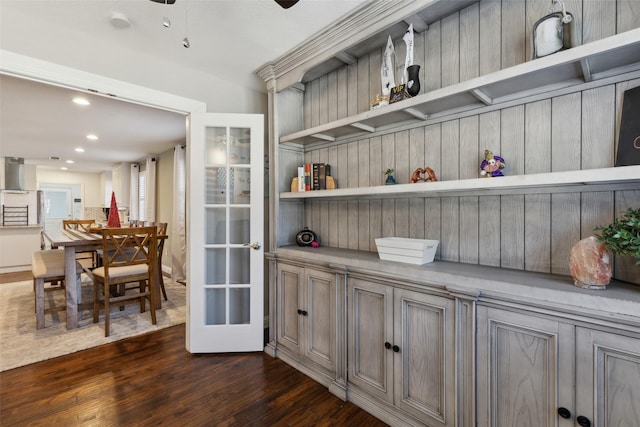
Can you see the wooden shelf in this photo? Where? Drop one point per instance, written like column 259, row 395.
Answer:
column 620, row 178
column 604, row 58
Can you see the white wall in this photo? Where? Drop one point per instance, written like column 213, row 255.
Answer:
column 56, row 42
column 91, row 184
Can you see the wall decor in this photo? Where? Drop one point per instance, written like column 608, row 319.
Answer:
column 386, row 68
column 552, row 33
column 398, row 93
column 306, row 237
column 390, row 180
column 425, row 174
column 629, row 137
column 491, row 165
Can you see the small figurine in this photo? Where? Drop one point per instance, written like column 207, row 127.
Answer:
column 491, row 165
column 419, row 175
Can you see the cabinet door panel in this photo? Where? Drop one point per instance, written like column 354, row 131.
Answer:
column 321, row 318
column 424, row 366
column 608, row 378
column 289, row 321
column 370, row 326
column 525, row 369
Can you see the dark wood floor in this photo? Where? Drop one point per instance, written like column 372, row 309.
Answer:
column 152, row 380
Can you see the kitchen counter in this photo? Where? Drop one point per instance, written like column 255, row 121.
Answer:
column 17, row 243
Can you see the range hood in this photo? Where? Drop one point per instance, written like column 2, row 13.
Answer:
column 13, row 173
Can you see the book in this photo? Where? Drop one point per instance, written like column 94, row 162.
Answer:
column 307, row 177
column 301, row 178
column 315, row 179
column 322, row 183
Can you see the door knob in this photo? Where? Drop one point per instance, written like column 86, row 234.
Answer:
column 254, row 245
column 387, row 345
column 564, row 413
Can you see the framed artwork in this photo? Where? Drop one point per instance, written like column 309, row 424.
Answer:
column 629, row 138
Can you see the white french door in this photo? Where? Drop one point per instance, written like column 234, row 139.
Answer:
column 225, row 233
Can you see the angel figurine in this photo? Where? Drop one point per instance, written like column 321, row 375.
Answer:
column 491, row 165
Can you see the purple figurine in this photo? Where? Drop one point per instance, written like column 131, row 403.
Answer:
column 491, row 165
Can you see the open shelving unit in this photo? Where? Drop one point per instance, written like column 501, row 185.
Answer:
column 615, row 55
column 620, row 178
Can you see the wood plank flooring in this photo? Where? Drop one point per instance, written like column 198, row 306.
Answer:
column 152, row 380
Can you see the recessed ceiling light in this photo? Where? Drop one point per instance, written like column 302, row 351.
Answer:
column 63, row 168
column 92, row 137
column 81, row 101
column 80, row 150
column 120, row 20
column 69, row 161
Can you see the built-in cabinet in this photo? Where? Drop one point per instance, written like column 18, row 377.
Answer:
column 307, row 320
column 545, row 371
column 502, row 261
column 401, row 353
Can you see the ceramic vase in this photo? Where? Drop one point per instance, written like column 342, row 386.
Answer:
column 413, row 82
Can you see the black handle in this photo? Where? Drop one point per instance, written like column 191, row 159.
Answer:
column 396, row 348
column 564, row 413
column 299, row 311
column 387, row 345
column 583, row 421
column 304, row 313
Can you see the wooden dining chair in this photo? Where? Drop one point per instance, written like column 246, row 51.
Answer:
column 162, row 231
column 129, row 256
column 85, row 226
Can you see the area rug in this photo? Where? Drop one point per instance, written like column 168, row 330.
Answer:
column 21, row 344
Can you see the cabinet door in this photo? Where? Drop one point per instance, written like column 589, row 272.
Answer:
column 424, row 365
column 607, row 378
column 320, row 327
column 289, row 322
column 525, row 370
column 370, row 328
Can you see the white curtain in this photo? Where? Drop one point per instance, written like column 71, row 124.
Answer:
column 150, row 190
column 133, row 191
column 178, row 223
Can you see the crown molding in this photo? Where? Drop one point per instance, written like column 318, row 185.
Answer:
column 371, row 18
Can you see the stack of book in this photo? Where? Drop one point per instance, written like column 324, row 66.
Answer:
column 313, row 176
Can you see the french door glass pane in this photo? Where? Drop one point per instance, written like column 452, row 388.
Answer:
column 216, row 145
column 239, row 226
column 216, row 271
column 239, row 308
column 216, row 222
column 239, row 265
column 216, row 312
column 216, row 186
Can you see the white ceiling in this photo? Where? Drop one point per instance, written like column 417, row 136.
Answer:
column 229, row 38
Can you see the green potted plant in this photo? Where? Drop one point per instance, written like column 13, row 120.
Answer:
column 622, row 236
column 389, row 174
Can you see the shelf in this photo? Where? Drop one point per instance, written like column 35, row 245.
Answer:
column 607, row 179
column 601, row 59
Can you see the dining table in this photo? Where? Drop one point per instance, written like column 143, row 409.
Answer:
column 74, row 241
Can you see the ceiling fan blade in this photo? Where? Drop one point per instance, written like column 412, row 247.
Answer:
column 163, row 1
column 285, row 3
